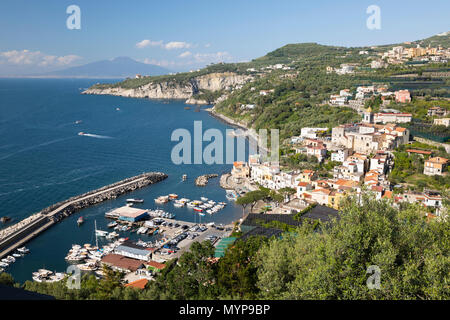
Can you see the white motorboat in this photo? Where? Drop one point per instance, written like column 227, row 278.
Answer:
column 135, row 200
column 204, row 199
column 142, row 230
column 17, row 255
column 112, row 224
column 112, row 235
column 11, row 259
column 4, row 264
column 23, row 250
column 101, row 233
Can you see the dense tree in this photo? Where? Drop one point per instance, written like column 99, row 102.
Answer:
column 411, row 252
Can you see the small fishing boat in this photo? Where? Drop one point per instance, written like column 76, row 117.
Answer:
column 4, row 219
column 162, row 199
column 17, row 255
column 4, row 264
column 112, row 235
column 23, row 250
column 112, row 224
column 80, row 220
column 198, row 209
column 101, row 233
column 184, row 177
column 135, row 200
column 173, row 196
column 204, row 199
column 142, row 230
column 201, row 214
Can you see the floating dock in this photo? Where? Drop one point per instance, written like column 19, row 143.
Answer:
column 18, row 234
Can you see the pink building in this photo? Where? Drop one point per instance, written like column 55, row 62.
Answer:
column 402, row 96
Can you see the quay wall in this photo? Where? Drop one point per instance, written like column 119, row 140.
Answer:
column 60, row 210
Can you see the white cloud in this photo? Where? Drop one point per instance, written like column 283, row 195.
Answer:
column 185, row 54
column 146, row 43
column 168, row 46
column 177, row 45
column 35, row 58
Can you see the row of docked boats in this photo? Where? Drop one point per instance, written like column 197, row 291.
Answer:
column 43, row 275
column 6, row 262
column 88, row 254
column 209, row 206
column 158, row 213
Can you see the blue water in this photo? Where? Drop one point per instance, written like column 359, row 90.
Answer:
column 43, row 160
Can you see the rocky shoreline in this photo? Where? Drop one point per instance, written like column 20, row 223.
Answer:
column 249, row 133
column 202, row 181
column 173, row 90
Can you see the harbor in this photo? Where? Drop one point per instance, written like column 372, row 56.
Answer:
column 16, row 235
column 57, row 164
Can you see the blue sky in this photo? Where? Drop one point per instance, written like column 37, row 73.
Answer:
column 184, row 35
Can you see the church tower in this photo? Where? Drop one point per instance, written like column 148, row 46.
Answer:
column 368, row 116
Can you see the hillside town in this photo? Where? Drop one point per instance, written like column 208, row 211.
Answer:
column 362, row 156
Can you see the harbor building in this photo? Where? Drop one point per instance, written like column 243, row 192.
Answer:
column 131, row 250
column 129, row 214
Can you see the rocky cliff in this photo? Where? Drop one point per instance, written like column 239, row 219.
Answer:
column 174, row 90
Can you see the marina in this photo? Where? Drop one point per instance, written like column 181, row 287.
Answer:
column 16, row 235
column 74, row 165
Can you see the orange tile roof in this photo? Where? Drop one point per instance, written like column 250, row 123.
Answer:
column 347, row 183
column 302, row 184
column 156, row 265
column 387, row 195
column 138, row 284
column 327, row 192
column 418, row 151
column 438, row 160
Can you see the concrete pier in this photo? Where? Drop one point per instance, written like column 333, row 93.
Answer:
column 17, row 235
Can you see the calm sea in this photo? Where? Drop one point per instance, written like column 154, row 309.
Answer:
column 43, row 160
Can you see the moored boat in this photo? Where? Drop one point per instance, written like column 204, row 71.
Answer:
column 80, row 220
column 23, row 250
column 112, row 224
column 135, row 200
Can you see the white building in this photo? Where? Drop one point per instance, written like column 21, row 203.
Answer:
column 311, row 133
column 340, row 155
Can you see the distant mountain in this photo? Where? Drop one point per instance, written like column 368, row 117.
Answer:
column 120, row 67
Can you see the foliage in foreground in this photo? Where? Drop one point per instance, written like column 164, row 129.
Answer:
column 329, row 262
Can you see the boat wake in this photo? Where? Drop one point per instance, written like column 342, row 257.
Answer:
column 34, row 147
column 97, row 136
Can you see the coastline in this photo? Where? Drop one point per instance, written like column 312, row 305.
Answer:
column 249, row 133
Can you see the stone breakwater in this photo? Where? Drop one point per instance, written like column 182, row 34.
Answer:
column 19, row 233
column 108, row 192
column 202, row 181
